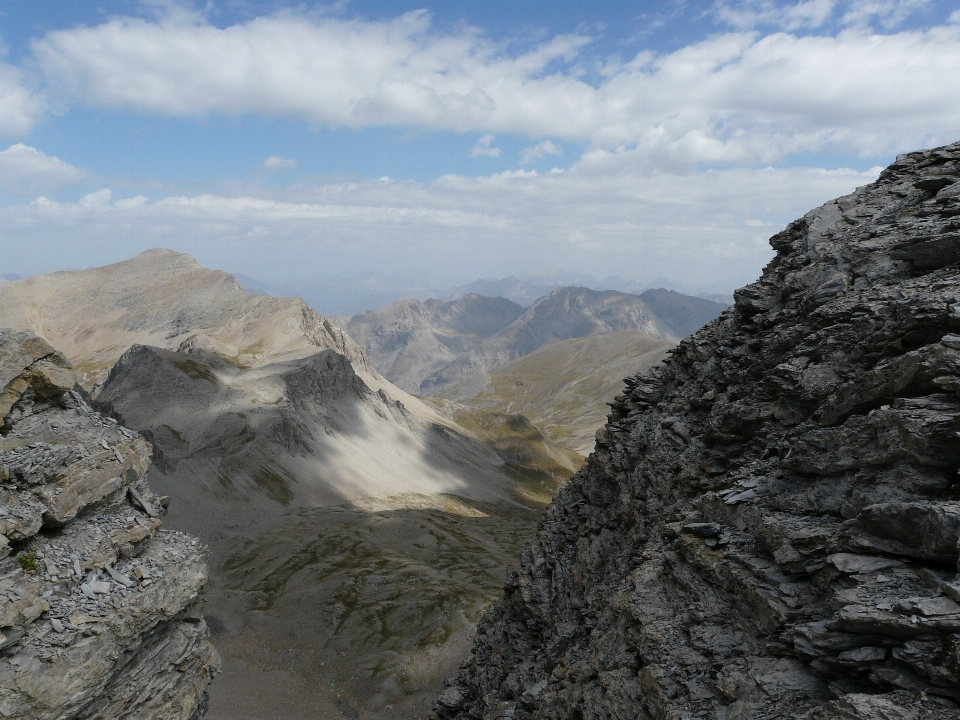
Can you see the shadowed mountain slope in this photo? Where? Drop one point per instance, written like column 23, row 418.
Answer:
column 307, row 430
column 768, row 527
column 339, row 522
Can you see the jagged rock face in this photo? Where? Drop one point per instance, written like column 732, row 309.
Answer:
column 100, row 609
column 768, row 526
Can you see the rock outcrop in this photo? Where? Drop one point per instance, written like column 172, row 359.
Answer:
column 768, row 526
column 100, row 608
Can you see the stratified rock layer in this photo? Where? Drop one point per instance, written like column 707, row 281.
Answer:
column 100, row 609
column 768, row 526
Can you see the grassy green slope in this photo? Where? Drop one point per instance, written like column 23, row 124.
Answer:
column 563, row 388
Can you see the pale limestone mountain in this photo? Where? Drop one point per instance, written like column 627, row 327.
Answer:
column 410, row 340
column 163, row 298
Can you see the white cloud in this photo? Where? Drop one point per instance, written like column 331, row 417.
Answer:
column 25, row 170
column 742, row 97
column 602, row 215
column 535, row 152
column 812, row 14
column 484, row 146
column 20, row 107
column 131, row 203
column 888, row 13
column 274, row 162
column 98, row 198
column 748, row 14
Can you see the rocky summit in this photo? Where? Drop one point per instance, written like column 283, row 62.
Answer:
column 768, row 525
column 100, row 608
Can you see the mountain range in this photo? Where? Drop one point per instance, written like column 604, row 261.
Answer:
column 327, row 494
column 447, row 348
column 351, row 293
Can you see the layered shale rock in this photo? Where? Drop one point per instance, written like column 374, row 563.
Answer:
column 768, row 526
column 100, row 608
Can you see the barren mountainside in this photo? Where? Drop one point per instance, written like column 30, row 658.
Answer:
column 563, row 387
column 768, row 526
column 165, row 299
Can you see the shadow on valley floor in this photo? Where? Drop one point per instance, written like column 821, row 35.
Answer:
column 329, row 612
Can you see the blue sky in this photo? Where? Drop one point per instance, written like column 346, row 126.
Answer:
column 455, row 140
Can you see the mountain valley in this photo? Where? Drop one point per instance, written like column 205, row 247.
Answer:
column 328, row 496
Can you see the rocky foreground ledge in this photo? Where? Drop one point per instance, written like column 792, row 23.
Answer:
column 100, row 609
column 768, row 527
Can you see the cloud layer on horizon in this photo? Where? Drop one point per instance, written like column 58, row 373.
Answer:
column 601, row 215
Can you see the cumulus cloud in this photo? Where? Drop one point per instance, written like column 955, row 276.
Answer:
column 602, row 216
column 541, row 149
column 274, row 162
column 484, row 146
column 20, row 107
column 25, row 170
column 737, row 97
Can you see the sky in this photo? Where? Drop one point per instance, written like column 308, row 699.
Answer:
column 455, row 140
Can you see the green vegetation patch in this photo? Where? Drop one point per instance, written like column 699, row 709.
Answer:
column 191, row 367
column 274, row 483
column 28, row 562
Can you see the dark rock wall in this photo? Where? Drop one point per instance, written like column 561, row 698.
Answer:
column 768, row 526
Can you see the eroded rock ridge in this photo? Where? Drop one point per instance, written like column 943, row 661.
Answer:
column 768, row 526
column 100, row 608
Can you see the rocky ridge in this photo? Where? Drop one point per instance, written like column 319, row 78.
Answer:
column 100, row 608
column 768, row 525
